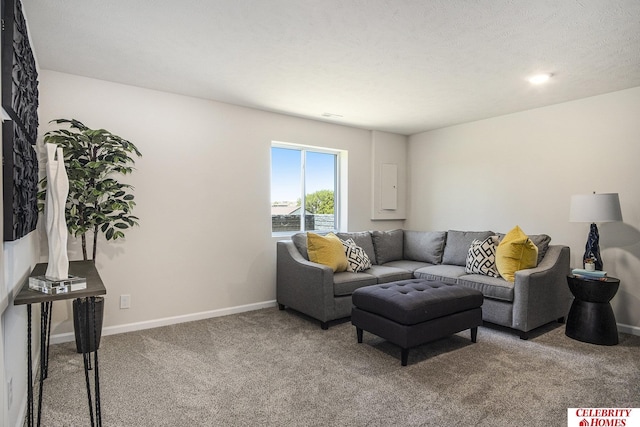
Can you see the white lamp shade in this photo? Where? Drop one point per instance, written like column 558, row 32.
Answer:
column 595, row 208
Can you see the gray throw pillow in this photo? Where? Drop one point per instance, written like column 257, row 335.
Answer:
column 542, row 242
column 458, row 244
column 424, row 246
column 388, row 245
column 362, row 239
column 300, row 240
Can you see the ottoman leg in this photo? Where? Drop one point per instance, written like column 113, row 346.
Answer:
column 404, row 356
column 474, row 334
column 359, row 333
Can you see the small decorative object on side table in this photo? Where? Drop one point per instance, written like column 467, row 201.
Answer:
column 56, row 222
column 590, row 264
column 591, row 317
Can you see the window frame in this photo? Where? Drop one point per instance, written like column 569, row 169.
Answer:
column 336, row 179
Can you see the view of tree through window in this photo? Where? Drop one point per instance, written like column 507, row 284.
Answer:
column 303, row 177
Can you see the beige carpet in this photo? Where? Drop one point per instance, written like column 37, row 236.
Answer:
column 278, row 368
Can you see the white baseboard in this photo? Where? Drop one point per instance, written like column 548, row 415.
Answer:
column 628, row 329
column 138, row 326
column 130, row 327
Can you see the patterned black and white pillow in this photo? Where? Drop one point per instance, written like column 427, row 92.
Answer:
column 481, row 258
column 357, row 259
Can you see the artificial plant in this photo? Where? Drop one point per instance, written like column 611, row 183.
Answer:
column 97, row 201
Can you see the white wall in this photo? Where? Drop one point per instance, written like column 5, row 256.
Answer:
column 523, row 168
column 19, row 258
column 202, row 192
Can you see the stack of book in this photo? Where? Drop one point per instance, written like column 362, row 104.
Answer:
column 589, row 274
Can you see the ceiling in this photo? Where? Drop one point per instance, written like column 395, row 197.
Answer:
column 402, row 66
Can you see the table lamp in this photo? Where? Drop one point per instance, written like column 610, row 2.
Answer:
column 594, row 208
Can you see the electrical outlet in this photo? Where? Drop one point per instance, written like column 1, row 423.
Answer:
column 10, row 392
column 125, row 301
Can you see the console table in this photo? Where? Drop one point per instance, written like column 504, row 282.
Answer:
column 591, row 317
column 26, row 296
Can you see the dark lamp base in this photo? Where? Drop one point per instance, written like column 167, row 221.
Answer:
column 592, row 248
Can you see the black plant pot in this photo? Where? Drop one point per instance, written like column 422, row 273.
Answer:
column 83, row 324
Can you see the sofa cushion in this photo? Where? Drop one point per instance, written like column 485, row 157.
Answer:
column 458, row 244
column 327, row 250
column 344, row 283
column 442, row 272
column 362, row 239
column 357, row 259
column 491, row 287
column 386, row 274
column 388, row 245
column 425, row 246
column 481, row 258
column 515, row 252
column 541, row 241
column 408, row 265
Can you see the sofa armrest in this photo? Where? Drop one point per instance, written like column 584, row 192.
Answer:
column 541, row 294
column 303, row 285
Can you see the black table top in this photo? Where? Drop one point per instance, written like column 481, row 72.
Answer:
column 590, row 290
column 86, row 269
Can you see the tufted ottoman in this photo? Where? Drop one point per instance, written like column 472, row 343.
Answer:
column 412, row 312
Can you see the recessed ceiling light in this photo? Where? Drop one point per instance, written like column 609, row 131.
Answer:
column 539, row 78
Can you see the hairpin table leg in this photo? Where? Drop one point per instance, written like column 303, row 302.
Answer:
column 29, row 371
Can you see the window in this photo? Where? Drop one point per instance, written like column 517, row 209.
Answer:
column 303, row 177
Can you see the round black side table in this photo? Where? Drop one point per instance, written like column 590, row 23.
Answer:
column 591, row 317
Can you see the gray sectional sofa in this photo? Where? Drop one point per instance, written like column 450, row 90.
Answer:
column 538, row 296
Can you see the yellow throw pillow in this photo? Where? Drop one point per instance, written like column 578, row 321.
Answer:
column 515, row 252
column 327, row 250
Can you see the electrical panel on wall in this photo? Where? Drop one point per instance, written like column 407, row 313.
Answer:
column 389, row 186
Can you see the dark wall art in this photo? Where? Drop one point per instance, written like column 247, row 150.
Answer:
column 20, row 101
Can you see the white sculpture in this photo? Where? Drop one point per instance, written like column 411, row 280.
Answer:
column 56, row 224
